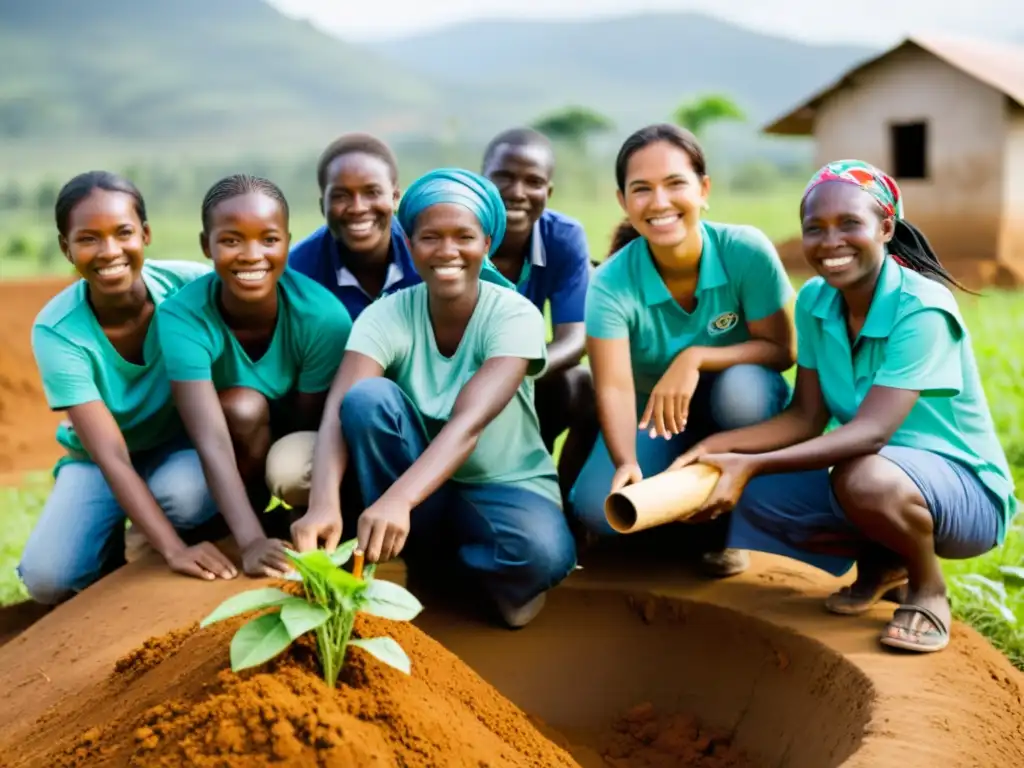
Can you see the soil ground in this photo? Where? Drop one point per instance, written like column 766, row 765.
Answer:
column 961, row 707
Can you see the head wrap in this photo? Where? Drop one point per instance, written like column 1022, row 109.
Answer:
column 876, row 183
column 465, row 188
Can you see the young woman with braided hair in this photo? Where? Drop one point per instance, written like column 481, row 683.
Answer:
column 914, row 470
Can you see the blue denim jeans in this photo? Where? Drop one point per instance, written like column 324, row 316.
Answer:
column 737, row 397
column 79, row 537
column 516, row 541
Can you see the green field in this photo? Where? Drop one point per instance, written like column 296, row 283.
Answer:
column 987, row 591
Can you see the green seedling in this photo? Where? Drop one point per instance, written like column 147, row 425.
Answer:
column 333, row 597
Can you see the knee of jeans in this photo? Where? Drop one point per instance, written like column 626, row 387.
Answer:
column 183, row 495
column 290, row 468
column 744, row 395
column 367, row 400
column 46, row 580
column 551, row 552
column 245, row 410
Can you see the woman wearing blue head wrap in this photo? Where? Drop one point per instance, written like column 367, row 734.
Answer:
column 433, row 405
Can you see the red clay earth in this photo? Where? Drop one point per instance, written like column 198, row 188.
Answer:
column 610, row 670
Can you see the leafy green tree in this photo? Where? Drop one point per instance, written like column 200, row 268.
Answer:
column 698, row 113
column 573, row 125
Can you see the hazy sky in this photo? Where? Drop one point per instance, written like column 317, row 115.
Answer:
column 863, row 21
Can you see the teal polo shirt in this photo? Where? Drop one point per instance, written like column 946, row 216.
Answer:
column 913, row 338
column 741, row 280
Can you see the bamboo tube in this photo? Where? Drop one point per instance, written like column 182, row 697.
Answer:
column 664, row 498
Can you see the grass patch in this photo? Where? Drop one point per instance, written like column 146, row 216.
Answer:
column 21, row 507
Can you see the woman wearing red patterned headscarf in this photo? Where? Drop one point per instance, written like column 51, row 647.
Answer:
column 914, row 470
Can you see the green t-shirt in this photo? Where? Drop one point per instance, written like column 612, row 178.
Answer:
column 304, row 353
column 913, row 338
column 741, row 280
column 78, row 364
column 396, row 332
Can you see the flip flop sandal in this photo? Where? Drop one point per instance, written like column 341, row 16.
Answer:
column 925, row 642
column 845, row 603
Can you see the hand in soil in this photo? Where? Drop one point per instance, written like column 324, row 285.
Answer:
column 668, row 407
column 317, row 525
column 737, row 469
column 266, row 557
column 383, row 529
column 203, row 561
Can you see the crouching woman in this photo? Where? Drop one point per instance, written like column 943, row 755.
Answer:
column 434, row 407
column 914, row 472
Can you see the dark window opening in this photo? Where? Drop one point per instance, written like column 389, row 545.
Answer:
column 909, row 150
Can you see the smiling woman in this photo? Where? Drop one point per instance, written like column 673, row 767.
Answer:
column 251, row 350
column 433, row 405
column 688, row 328
column 100, row 362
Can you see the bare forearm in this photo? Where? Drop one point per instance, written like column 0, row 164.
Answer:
column 788, row 428
column 137, row 501
column 562, row 354
column 330, row 459
column 858, row 438
column 221, row 471
column 444, row 455
column 754, row 352
column 616, row 413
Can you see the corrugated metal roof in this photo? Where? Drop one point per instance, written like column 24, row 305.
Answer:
column 999, row 65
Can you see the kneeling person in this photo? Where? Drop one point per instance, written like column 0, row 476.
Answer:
column 251, row 350
column 433, row 405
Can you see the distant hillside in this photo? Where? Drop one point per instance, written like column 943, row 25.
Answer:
column 636, row 68
column 191, row 68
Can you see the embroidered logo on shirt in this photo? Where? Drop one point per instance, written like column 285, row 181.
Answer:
column 724, row 322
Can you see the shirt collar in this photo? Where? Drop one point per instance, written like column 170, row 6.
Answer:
column 652, row 286
column 538, row 254
column 884, row 304
column 396, row 272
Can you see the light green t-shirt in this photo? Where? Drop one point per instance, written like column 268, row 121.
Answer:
column 913, row 338
column 397, row 333
column 304, row 353
column 78, row 364
column 741, row 280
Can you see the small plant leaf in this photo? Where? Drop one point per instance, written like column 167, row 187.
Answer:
column 300, row 617
column 385, row 649
column 275, row 503
column 258, row 641
column 345, row 582
column 369, row 570
column 1013, row 571
column 389, row 601
column 245, row 602
column 343, row 553
column 316, row 561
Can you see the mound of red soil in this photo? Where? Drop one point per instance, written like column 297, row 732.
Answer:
column 176, row 702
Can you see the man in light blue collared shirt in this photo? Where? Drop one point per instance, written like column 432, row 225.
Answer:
column 545, row 254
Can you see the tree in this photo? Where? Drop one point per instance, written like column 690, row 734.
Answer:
column 573, row 125
column 696, row 115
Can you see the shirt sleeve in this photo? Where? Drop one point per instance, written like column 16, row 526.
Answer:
column 568, row 299
column 185, row 344
column 605, row 316
column 764, row 286
column 806, row 338
column 67, row 373
column 373, row 334
column 923, row 354
column 325, row 345
column 519, row 331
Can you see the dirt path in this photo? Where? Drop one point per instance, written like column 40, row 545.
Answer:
column 962, row 707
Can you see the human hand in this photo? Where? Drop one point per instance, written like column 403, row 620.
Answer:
column 737, row 470
column 668, row 406
column 319, row 523
column 383, row 529
column 710, row 445
column 266, row 557
column 627, row 474
column 202, row 561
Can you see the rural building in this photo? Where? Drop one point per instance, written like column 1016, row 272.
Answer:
column 945, row 117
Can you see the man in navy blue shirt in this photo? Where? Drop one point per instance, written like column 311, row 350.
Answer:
column 545, row 254
column 361, row 253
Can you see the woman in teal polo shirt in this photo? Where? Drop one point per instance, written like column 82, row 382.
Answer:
column 100, row 362
column 434, row 407
column 914, row 471
column 687, row 328
column 251, row 349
